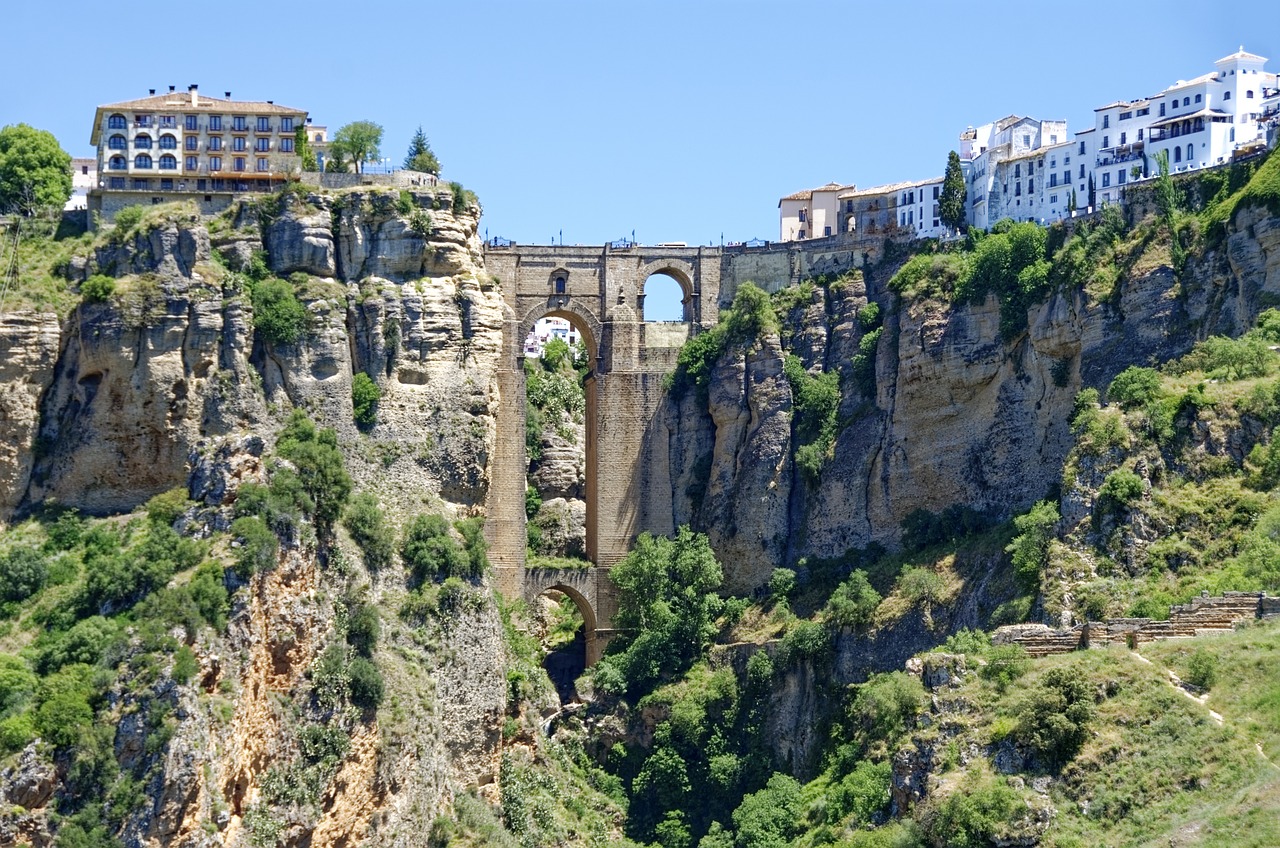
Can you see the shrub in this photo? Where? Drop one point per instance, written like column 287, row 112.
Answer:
column 404, row 203
column 97, row 288
column 128, row 218
column 782, row 582
column 921, row 585
column 367, row 524
column 430, row 552
column 770, row 817
column 1005, row 664
column 806, row 640
column 971, row 817
column 320, row 472
column 366, row 683
column 64, row 713
column 854, row 602
column 365, row 395
column 83, row 644
column 472, row 532
column 258, row 548
column 363, row 629
column 1134, row 386
column 420, row 223
column 1121, row 487
column 1053, row 717
column 23, row 572
column 863, row 366
column 869, row 317
column 1030, row 548
column 885, row 707
column 532, row 502
column 165, row 507
column 1202, row 669
column 862, row 793
column 185, row 665
column 17, row 683
column 278, row 315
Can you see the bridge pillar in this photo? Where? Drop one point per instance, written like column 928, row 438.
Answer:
column 505, row 524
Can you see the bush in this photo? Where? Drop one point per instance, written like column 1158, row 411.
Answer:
column 430, row 552
column 1202, row 669
column 165, row 507
column 320, row 472
column 1121, row 487
column 973, row 816
column 185, row 665
column 1005, row 664
column 97, row 288
column 363, row 629
column 863, row 365
column 1134, row 386
column 1030, row 548
column 782, row 582
column 23, row 572
column 532, row 502
column 366, row 683
column 921, row 585
column 885, row 707
column 1053, row 717
column 806, row 640
column 64, row 713
column 770, row 817
column 365, row 395
column 259, row 547
column 278, row 315
column 367, row 524
column 854, row 602
column 128, row 218
column 17, row 683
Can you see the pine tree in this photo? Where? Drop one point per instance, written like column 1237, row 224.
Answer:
column 1093, row 195
column 1071, row 204
column 420, row 157
column 954, row 194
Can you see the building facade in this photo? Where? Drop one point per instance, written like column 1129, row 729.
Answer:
column 176, row 146
column 84, row 177
column 812, row 213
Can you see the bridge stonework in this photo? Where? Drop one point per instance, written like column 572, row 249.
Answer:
column 601, row 291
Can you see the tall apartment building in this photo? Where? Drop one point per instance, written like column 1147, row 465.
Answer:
column 175, row 146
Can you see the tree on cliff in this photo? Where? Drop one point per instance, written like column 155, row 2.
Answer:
column 420, row 157
column 35, row 172
column 951, row 204
column 359, row 142
column 302, row 146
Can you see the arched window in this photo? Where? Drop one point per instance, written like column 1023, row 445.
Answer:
column 1198, row 98
column 142, row 160
column 1249, row 94
column 168, row 163
column 118, row 142
column 1226, row 96
column 1177, row 154
column 1199, row 124
column 1191, row 152
column 142, row 142
column 168, row 142
column 117, row 163
column 559, row 285
column 116, row 122
column 1186, row 101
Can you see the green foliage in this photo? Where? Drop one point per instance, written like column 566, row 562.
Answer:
column 770, row 817
column 884, row 708
column 805, row 641
column 1121, row 487
column 83, row 644
column 853, row 603
column 666, row 607
column 430, row 552
column 816, row 402
column 782, row 583
column 315, row 455
column 63, row 712
column 1202, row 669
column 258, row 545
column 1054, row 716
column 922, row 529
column 306, row 153
column 864, row 361
column 750, row 317
column 117, row 579
column 1134, row 386
column 363, row 628
column 1005, row 664
column 35, row 172
column 974, row 815
column 472, row 532
column 365, row 395
column 357, row 142
column 366, row 521
column 532, row 502
column 278, row 315
column 869, row 317
column 185, row 665
column 404, row 202
column 23, row 572
column 1030, row 548
column 1220, row 357
column 98, row 288
column 931, row 275
column 420, row 157
column 367, row 688
column 17, row 684
column 165, row 507
column 128, row 218
column 951, row 204
column 421, row 223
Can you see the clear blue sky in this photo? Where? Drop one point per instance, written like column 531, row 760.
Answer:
column 678, row 120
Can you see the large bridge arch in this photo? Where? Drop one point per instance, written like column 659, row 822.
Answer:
column 561, row 306
column 684, row 275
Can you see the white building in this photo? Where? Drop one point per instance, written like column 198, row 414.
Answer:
column 811, row 213
column 84, row 176
column 1000, row 161
column 546, row 330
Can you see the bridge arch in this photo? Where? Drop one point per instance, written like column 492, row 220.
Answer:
column 563, row 307
column 682, row 273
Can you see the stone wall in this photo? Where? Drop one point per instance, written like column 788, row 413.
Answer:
column 396, row 179
column 1202, row 615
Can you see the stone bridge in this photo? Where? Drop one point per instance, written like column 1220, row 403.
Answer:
column 600, row 290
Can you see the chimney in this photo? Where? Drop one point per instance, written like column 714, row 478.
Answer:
column 308, row 122
column 171, row 88
column 151, row 91
column 195, row 94
column 271, row 102
column 228, row 95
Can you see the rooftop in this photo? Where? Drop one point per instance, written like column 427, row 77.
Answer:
column 889, row 188
column 1241, row 54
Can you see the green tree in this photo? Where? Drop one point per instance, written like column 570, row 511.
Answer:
column 1093, row 194
column 367, row 524
column 954, row 194
column 365, row 395
column 315, row 455
column 302, row 146
column 430, row 552
column 358, row 141
column 1168, row 204
column 420, row 157
column 1030, row 548
column 35, row 172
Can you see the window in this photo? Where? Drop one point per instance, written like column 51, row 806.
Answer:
column 1177, row 154
column 1120, row 175
column 1186, row 101
column 239, row 123
column 803, row 213
column 264, row 125
column 1162, row 110
column 215, row 142
column 1026, row 141
column 1191, row 152
column 911, row 217
column 1017, row 170
column 1053, row 138
column 935, row 193
column 1144, row 111
column 318, row 137
column 168, row 122
column 166, row 184
column 1082, row 172
column 1106, row 122
column 802, row 234
column 142, row 160
column 1249, row 94
column 1031, row 186
column 168, row 142
column 1226, row 96
column 191, row 143
column 263, row 164
column 142, row 142
column 1106, row 178
column 911, row 198
column 1066, row 177
column 1017, row 189
column 1106, row 141
column 1139, row 135
column 215, row 163
column 1031, row 168
column 262, row 145
column 215, row 123
column 116, row 122
column 142, row 184
column 286, row 145
column 826, row 231
column 191, row 123
column 117, row 182
column 117, row 142
column 1053, row 180
column 1124, row 116
column 1053, row 198
column 560, row 280
column 286, row 125
column 237, row 142
column 142, row 120
column 193, row 164
column 1198, row 98
column 848, row 206
column 238, row 164
column 168, row 162
column 116, row 163
column 1082, row 148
